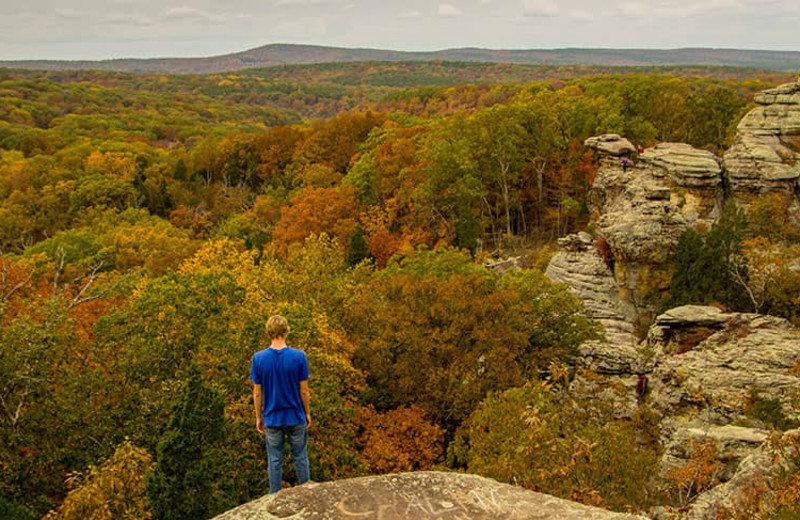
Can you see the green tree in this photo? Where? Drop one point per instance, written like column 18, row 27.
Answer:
column 711, row 268
column 184, row 484
column 12, row 511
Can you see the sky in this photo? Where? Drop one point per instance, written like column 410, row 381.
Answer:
column 104, row 29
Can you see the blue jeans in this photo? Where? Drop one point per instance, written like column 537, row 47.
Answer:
column 298, row 441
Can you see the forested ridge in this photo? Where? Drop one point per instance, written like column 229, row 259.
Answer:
column 149, row 225
column 292, row 54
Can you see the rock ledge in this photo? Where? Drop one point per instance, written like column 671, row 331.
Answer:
column 421, row 496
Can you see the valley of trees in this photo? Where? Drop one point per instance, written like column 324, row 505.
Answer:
column 149, row 225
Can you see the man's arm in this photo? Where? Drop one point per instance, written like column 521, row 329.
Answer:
column 305, row 396
column 258, row 403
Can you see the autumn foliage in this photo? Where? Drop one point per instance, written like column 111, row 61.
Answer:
column 113, row 490
column 150, row 224
column 400, row 440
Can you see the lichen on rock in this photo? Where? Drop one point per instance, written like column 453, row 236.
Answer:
column 421, row 496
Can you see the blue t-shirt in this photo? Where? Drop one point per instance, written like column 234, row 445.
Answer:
column 279, row 372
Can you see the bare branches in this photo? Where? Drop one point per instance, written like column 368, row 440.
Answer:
column 60, row 261
column 736, row 270
column 5, row 292
column 81, row 297
column 12, row 412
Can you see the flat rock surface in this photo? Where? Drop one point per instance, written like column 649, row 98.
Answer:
column 418, row 496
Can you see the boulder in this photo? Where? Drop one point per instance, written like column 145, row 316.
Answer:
column 501, row 265
column 684, row 165
column 421, row 496
column 611, row 144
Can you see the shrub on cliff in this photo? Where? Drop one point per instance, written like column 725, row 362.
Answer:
column 549, row 442
column 710, row 268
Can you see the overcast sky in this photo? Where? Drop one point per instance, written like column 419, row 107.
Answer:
column 100, row 29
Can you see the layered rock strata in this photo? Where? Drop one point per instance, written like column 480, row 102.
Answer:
column 579, row 266
column 701, row 369
column 641, row 208
column 765, row 156
column 639, row 212
column 709, row 362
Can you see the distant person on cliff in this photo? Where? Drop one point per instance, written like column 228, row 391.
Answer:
column 282, row 402
column 624, row 164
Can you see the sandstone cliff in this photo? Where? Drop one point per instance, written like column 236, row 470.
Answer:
column 641, row 210
column 765, row 156
column 703, row 369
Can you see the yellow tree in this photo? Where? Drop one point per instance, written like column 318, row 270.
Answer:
column 114, row 490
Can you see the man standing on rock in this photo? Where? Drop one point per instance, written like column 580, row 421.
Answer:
column 282, row 402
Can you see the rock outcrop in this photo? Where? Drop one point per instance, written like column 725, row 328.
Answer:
column 579, row 266
column 762, row 463
column 701, row 369
column 640, row 212
column 641, row 209
column 421, row 496
column 731, row 443
column 765, row 156
column 611, row 144
column 709, row 362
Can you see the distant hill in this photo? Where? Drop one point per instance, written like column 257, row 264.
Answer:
column 286, row 54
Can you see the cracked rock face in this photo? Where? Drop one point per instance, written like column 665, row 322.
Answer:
column 421, row 496
column 641, row 212
column 733, row 445
column 765, row 156
column 760, row 464
column 708, row 361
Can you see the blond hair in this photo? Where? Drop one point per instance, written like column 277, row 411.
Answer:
column 277, row 327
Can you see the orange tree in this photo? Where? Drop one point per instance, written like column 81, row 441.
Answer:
column 437, row 331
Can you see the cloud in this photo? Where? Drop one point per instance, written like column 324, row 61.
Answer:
column 682, row 9
column 411, row 14
column 580, row 14
column 449, row 11
column 116, row 18
column 539, row 8
column 188, row 13
column 133, row 19
column 69, row 14
column 304, row 3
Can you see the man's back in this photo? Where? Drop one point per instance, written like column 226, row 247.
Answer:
column 279, row 372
